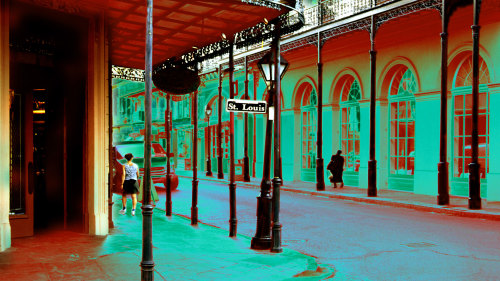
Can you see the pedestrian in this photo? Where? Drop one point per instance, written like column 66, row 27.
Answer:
column 130, row 185
column 336, row 168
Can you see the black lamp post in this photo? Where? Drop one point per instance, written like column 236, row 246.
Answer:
column 474, row 166
column 246, row 161
column 372, row 163
column 271, row 66
column 194, row 164
column 168, row 182
column 208, row 112
column 233, row 222
column 320, row 171
column 220, row 173
column 147, row 263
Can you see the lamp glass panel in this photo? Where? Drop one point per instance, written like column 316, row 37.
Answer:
column 268, row 72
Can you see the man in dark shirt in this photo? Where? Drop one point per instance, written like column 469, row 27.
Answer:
column 336, row 168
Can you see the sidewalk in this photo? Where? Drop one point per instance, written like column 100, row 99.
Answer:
column 180, row 252
column 458, row 205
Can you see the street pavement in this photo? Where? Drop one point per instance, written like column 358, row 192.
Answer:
column 181, row 252
column 362, row 240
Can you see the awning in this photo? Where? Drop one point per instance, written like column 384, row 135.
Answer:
column 179, row 26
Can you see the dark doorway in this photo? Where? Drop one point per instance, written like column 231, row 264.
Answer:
column 48, row 68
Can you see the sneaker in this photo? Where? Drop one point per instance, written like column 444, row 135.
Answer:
column 133, row 212
column 122, row 211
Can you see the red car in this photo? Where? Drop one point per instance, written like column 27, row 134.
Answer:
column 158, row 162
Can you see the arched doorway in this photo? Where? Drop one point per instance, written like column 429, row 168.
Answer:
column 350, row 117
column 212, row 132
column 401, row 131
column 308, row 125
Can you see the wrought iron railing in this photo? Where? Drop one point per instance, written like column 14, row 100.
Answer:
column 333, row 10
column 323, row 13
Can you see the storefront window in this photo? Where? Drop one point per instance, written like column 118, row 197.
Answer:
column 225, row 139
column 308, row 132
column 402, row 122
column 462, row 120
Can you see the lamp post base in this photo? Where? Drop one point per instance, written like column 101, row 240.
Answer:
column 147, row 263
column 320, row 175
column 194, row 203
column 474, row 187
column 443, row 192
column 263, row 243
column 233, row 227
column 233, row 222
column 262, row 239
column 220, row 173
column 246, row 169
column 209, row 169
column 194, row 215
column 372, row 178
column 147, row 270
column 276, row 238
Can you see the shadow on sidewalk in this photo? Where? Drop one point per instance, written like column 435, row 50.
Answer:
column 180, row 251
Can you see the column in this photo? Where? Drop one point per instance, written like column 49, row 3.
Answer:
column 4, row 126
column 493, row 177
column 96, row 135
column 364, row 142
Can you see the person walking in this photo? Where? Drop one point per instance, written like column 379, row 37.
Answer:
column 130, row 185
column 336, row 168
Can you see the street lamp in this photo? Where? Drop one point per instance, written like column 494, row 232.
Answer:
column 271, row 66
column 208, row 112
column 267, row 68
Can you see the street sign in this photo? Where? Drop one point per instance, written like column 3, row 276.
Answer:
column 248, row 106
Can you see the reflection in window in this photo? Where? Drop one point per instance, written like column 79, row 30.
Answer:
column 402, row 122
column 462, row 120
column 17, row 194
column 224, row 139
column 350, row 123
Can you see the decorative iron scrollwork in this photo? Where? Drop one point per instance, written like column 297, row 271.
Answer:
column 126, row 73
column 289, row 23
column 263, row 3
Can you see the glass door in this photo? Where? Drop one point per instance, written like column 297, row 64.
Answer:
column 21, row 169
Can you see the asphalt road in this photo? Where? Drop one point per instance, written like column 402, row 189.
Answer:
column 361, row 241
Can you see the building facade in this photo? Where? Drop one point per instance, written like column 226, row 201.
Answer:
column 408, row 69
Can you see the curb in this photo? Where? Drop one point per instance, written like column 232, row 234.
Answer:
column 418, row 206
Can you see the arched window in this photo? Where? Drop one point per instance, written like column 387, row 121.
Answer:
column 308, row 133
column 129, row 110
column 162, row 107
column 181, row 107
column 350, row 123
column 154, row 109
column 462, row 119
column 402, row 123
